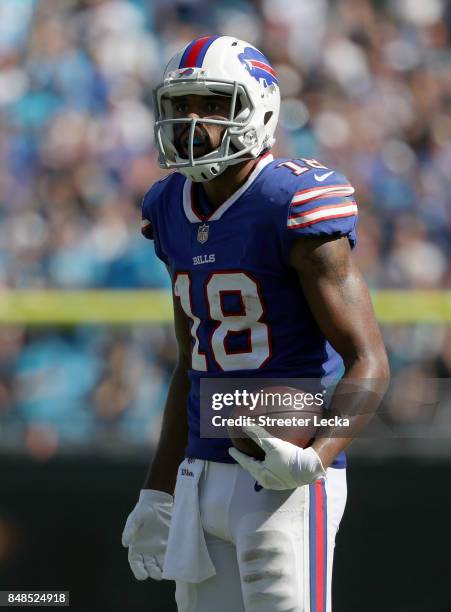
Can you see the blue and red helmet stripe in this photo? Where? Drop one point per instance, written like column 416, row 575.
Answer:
column 194, row 53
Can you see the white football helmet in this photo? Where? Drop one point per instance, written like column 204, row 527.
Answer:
column 225, row 66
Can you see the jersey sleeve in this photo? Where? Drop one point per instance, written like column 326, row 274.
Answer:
column 149, row 219
column 322, row 208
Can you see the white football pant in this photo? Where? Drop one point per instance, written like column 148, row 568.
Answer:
column 272, row 550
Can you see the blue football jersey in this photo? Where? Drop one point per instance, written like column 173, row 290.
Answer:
column 230, row 270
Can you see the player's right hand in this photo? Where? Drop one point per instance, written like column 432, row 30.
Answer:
column 146, row 534
column 285, row 466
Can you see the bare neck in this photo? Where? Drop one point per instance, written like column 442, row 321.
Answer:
column 219, row 189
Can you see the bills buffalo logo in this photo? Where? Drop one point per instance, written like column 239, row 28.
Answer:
column 258, row 66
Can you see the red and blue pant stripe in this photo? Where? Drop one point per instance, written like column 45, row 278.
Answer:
column 194, row 53
column 318, row 546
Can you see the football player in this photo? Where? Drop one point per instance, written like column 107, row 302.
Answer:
column 264, row 285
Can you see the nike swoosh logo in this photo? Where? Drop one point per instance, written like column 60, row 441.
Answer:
column 323, row 177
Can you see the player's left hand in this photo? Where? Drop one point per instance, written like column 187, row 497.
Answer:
column 286, row 466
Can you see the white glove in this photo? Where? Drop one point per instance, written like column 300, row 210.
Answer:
column 286, row 466
column 146, row 533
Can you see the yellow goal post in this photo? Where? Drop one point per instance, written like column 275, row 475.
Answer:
column 60, row 307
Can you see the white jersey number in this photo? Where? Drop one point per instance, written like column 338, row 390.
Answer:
column 245, row 322
column 298, row 169
column 182, row 289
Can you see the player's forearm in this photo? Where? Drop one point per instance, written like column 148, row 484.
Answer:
column 357, row 397
column 174, row 433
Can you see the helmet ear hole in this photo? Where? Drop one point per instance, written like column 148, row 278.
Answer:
column 267, row 117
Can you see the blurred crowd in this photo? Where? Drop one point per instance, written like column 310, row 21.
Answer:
column 366, row 88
